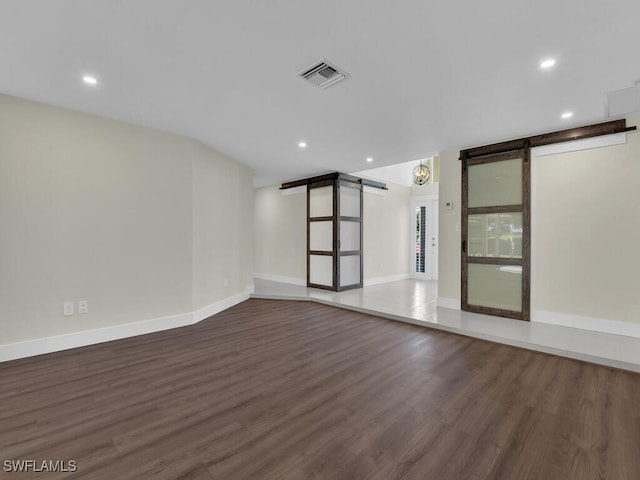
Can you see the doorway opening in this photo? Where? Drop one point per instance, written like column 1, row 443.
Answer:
column 424, row 238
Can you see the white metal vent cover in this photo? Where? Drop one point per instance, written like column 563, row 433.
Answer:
column 322, row 74
column 623, row 102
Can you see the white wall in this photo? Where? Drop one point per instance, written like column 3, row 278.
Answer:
column 428, row 189
column 125, row 217
column 585, row 256
column 280, row 234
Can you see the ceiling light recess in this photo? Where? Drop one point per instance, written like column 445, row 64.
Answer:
column 89, row 79
column 322, row 74
column 548, row 63
column 369, row 159
column 302, row 144
column 566, row 115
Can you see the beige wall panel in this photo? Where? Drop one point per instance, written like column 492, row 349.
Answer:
column 98, row 210
column 586, row 231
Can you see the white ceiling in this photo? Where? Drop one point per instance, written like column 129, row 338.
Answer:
column 426, row 76
column 398, row 173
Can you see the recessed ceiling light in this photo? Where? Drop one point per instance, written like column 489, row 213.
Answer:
column 90, row 79
column 369, row 159
column 567, row 115
column 302, row 144
column 548, row 63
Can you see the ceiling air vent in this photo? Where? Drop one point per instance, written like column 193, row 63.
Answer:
column 623, row 102
column 322, row 74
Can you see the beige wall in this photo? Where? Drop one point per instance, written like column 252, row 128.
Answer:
column 98, row 210
column 280, row 233
column 584, row 245
column 280, row 245
column 387, row 218
column 222, row 227
column 449, row 226
column 586, row 231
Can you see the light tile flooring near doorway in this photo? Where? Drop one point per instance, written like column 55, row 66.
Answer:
column 414, row 301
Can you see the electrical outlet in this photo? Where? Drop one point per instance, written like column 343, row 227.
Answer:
column 83, row 306
column 226, row 282
column 68, row 308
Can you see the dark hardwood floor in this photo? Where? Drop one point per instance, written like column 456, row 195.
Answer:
column 285, row 390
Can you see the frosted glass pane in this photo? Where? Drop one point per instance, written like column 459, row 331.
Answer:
column 349, row 202
column 495, row 286
column 321, row 201
column 321, row 236
column 321, row 270
column 495, row 235
column 349, row 270
column 349, row 236
column 495, row 183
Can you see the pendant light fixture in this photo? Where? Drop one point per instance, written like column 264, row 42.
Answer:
column 421, row 173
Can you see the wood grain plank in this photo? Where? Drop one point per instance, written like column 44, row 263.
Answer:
column 285, row 390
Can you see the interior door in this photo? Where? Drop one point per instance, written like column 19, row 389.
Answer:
column 321, row 236
column 495, row 234
column 420, row 240
column 334, row 233
column 349, row 235
column 424, row 238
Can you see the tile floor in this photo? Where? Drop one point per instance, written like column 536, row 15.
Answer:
column 414, row 301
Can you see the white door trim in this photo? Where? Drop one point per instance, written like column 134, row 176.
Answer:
column 426, row 201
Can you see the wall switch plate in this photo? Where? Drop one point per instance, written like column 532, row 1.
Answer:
column 68, row 308
column 83, row 306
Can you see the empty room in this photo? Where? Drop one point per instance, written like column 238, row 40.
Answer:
column 332, row 240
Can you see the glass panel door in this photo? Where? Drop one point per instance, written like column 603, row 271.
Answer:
column 421, row 238
column 334, row 233
column 424, row 238
column 321, row 270
column 495, row 234
column 321, row 236
column 350, row 235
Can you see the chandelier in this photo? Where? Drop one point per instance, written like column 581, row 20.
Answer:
column 421, row 173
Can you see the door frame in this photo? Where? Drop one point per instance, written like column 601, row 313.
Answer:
column 524, row 207
column 432, row 204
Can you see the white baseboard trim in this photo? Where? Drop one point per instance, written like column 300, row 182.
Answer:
column 39, row 346
column 452, row 303
column 616, row 327
column 390, row 278
column 280, row 279
column 219, row 306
